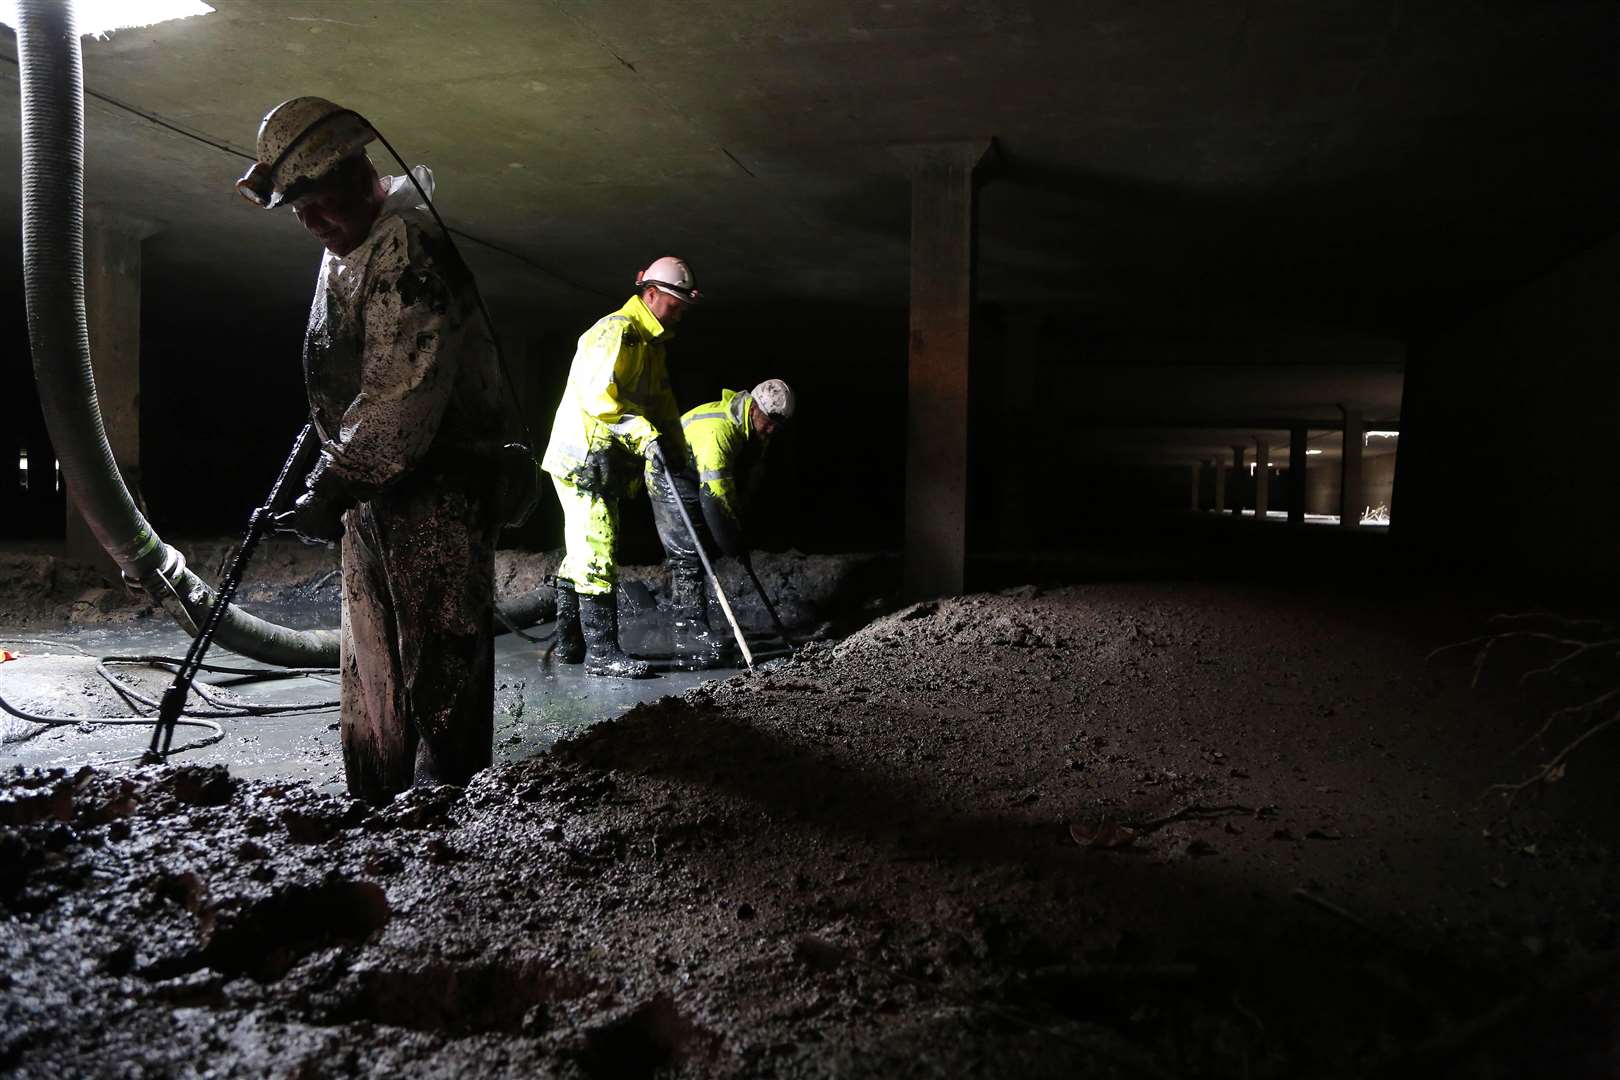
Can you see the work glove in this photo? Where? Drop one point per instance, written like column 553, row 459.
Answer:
column 316, row 520
column 317, row 515
column 673, row 453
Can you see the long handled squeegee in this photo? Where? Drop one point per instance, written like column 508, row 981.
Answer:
column 174, row 698
column 708, row 567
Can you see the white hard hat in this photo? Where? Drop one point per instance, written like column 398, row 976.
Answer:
column 671, row 275
column 775, row 399
column 300, row 141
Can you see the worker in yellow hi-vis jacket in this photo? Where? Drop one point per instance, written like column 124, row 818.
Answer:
column 726, row 440
column 617, row 408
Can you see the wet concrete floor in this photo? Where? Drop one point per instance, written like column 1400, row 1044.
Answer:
column 537, row 702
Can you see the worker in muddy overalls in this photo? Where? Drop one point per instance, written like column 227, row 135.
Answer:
column 407, row 398
column 727, row 441
column 617, row 417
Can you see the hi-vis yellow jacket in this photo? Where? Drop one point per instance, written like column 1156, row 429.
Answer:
column 725, row 449
column 618, row 395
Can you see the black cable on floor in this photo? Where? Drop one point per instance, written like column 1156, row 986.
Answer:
column 220, row 708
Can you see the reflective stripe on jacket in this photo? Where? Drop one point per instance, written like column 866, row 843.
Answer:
column 725, row 450
column 618, row 391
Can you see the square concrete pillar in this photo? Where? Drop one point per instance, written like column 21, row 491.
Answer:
column 1262, row 478
column 942, row 228
column 112, row 298
column 1195, row 476
column 1350, row 504
column 1297, row 457
column 1220, row 485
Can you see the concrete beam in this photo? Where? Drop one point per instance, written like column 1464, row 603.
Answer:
column 942, row 266
column 1184, row 422
column 112, row 297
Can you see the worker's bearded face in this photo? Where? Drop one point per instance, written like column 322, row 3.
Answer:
column 340, row 209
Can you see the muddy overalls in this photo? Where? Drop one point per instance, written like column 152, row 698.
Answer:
column 406, row 394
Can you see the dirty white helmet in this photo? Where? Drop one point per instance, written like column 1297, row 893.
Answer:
column 775, row 399
column 300, row 141
column 671, row 275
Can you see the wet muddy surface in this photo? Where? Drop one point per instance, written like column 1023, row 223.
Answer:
column 1119, row 830
column 536, row 701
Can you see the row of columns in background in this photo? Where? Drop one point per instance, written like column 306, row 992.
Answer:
column 1350, row 507
column 943, row 207
column 942, row 299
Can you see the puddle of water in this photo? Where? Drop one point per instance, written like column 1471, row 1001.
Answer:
column 535, row 704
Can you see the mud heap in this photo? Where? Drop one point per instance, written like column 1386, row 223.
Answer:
column 1122, row 830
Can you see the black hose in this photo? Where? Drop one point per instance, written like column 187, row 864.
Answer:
column 48, row 722
column 221, row 707
column 51, row 79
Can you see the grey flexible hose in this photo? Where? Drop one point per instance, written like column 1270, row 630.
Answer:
column 50, row 72
column 51, row 76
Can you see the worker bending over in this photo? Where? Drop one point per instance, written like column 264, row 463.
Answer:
column 617, row 413
column 407, row 398
column 727, row 442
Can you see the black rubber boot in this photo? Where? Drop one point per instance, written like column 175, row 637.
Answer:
column 570, row 639
column 697, row 647
column 599, row 618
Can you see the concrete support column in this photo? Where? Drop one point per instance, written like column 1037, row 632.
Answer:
column 1220, row 485
column 942, row 264
column 1350, row 504
column 112, row 288
column 1297, row 457
column 1195, row 476
column 1262, row 478
column 1237, row 479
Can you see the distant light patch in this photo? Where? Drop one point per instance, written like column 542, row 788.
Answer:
column 99, row 17
column 1371, row 435
column 1312, row 452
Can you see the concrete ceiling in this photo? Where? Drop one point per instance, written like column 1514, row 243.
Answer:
column 1368, row 165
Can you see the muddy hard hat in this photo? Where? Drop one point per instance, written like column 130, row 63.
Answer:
column 775, row 399
column 300, row 141
column 671, row 275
